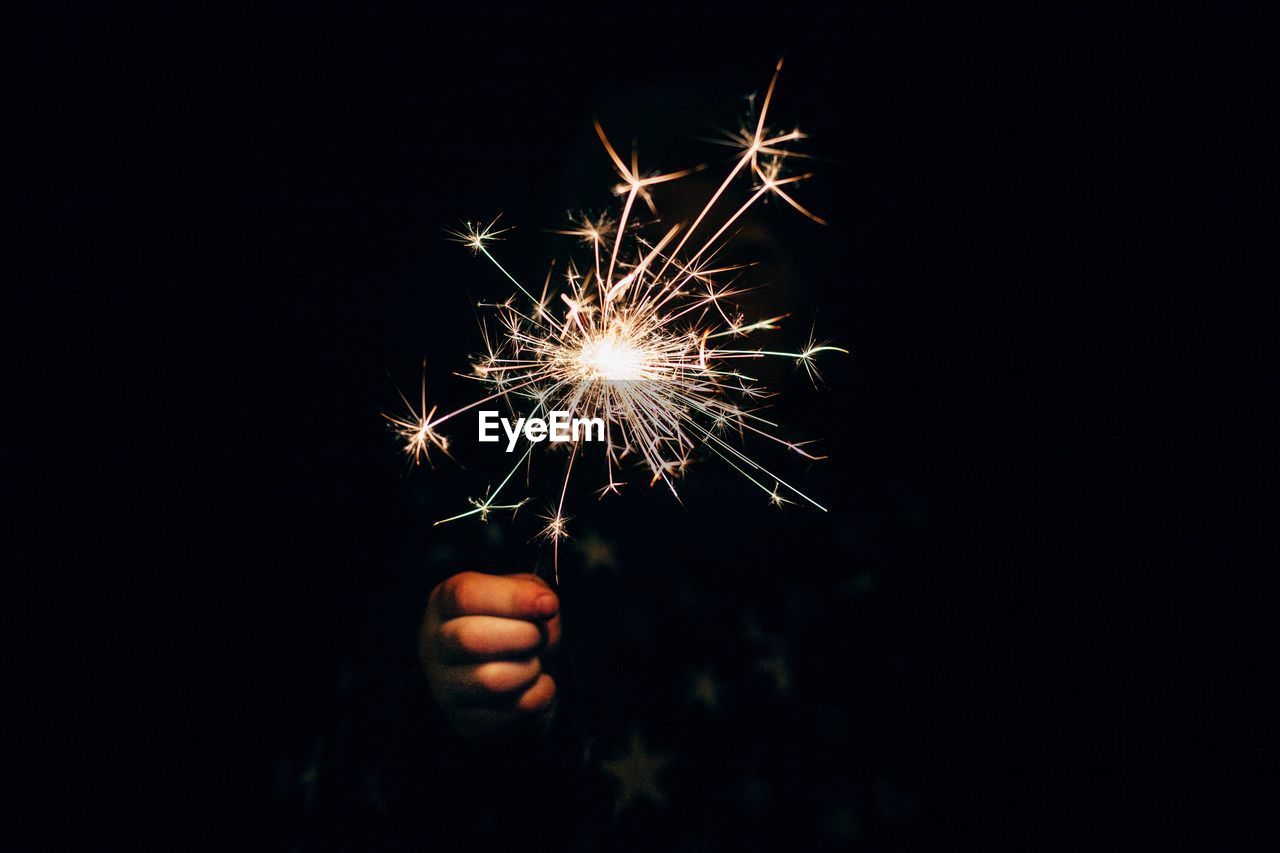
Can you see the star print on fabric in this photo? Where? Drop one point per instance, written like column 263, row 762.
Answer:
column 637, row 774
column 775, row 665
column 308, row 779
column 704, row 690
column 597, row 553
column 842, row 823
column 775, row 662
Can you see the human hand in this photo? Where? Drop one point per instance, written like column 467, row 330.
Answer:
column 486, row 644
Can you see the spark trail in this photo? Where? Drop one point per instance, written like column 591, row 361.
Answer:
column 638, row 337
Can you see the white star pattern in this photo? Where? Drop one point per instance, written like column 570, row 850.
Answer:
column 704, row 690
column 776, row 667
column 597, row 554
column 637, row 774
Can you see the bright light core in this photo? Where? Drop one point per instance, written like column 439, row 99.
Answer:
column 611, row 358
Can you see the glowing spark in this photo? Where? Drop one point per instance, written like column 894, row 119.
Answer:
column 556, row 527
column 416, row 428
column 636, row 338
column 476, row 236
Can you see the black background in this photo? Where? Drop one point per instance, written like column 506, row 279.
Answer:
column 1039, row 253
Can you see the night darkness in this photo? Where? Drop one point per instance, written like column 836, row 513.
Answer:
column 1031, row 619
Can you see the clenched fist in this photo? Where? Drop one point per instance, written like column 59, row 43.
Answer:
column 487, row 642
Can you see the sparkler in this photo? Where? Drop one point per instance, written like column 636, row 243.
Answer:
column 639, row 337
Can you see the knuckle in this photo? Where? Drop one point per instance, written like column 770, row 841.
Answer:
column 455, row 587
column 468, row 641
column 503, row 677
column 540, row 695
column 489, row 679
column 478, row 637
column 529, row 636
column 444, row 591
column 463, row 581
column 446, row 637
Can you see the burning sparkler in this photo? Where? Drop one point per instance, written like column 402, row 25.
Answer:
column 638, row 339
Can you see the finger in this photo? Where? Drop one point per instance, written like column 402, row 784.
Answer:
column 539, row 696
column 476, row 594
column 466, row 639
column 550, row 630
column 529, row 576
column 551, row 627
column 493, row 681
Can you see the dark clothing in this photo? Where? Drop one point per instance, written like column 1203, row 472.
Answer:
column 687, row 716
